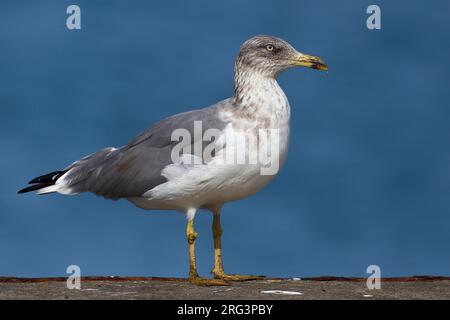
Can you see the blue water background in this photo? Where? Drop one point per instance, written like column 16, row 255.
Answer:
column 367, row 180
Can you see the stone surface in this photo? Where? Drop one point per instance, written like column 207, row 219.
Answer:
column 163, row 288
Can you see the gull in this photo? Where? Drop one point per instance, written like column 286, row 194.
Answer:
column 157, row 171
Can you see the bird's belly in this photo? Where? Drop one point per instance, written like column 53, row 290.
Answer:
column 240, row 182
column 233, row 182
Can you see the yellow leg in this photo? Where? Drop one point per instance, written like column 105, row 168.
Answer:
column 217, row 235
column 194, row 278
column 218, row 271
column 191, row 236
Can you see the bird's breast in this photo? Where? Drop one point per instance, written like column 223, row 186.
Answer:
column 263, row 107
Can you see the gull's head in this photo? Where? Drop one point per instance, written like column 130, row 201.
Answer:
column 270, row 56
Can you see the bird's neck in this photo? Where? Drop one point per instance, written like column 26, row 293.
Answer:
column 259, row 96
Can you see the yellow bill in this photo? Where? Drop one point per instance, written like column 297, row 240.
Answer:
column 305, row 60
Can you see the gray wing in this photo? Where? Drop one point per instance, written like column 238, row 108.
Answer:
column 135, row 168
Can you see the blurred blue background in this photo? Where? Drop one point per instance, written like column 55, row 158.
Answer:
column 367, row 180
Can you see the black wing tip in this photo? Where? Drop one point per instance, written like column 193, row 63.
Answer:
column 24, row 190
column 33, row 188
column 43, row 181
column 48, row 178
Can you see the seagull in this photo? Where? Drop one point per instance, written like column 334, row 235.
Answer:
column 166, row 167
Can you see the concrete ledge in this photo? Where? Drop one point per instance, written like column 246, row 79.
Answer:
column 416, row 287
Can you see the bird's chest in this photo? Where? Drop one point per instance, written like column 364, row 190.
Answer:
column 256, row 140
column 265, row 104
column 265, row 113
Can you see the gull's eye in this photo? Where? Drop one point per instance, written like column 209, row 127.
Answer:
column 269, row 47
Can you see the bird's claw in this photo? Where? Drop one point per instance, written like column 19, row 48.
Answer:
column 206, row 282
column 236, row 277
